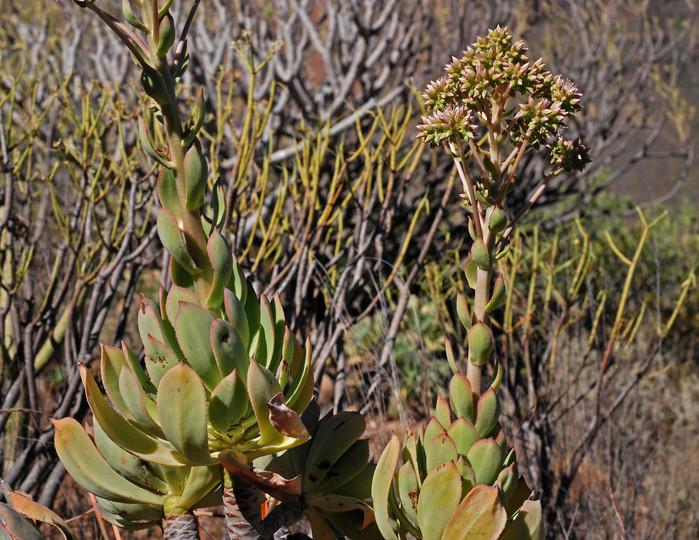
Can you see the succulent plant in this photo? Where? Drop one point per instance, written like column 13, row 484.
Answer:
column 223, row 381
column 458, row 477
column 335, row 474
column 131, row 492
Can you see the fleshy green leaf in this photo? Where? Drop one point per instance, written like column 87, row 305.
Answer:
column 193, row 330
column 196, row 175
column 265, row 346
column 262, row 387
column 451, row 359
column 236, row 315
column 528, row 523
column 219, row 193
column 167, row 191
column 382, row 484
column 359, row 486
column 462, row 311
column 480, row 515
column 488, row 413
column 461, row 396
column 350, row 464
column 229, row 350
column 238, row 284
column 480, row 344
column 508, row 481
column 301, row 391
column 159, row 359
column 334, row 436
column 126, row 464
column 222, row 263
column 439, row 497
column 331, row 502
column 122, row 432
column 434, row 428
column 175, row 295
column 479, row 254
column 141, row 405
column 149, row 321
column 471, row 271
column 133, row 512
column 289, row 349
column 85, row 464
column 463, row 434
column 408, row 490
column 468, row 477
column 486, row 459
column 442, row 411
column 200, row 482
column 111, row 364
column 183, row 415
column 137, row 370
column 498, row 298
column 440, row 450
column 228, row 403
column 171, row 237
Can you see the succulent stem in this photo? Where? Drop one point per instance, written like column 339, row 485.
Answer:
column 242, row 505
column 473, row 371
column 221, row 370
column 191, row 225
column 181, row 527
column 458, row 474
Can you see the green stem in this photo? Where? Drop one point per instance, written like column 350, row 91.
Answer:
column 480, row 301
column 192, row 229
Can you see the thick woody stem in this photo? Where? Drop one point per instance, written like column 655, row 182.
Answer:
column 181, row 527
column 281, row 515
column 242, row 507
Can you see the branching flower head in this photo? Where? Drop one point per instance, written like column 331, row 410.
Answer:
column 569, row 156
column 503, row 89
column 447, row 126
column 441, row 94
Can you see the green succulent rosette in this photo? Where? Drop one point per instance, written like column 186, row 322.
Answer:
column 335, row 474
column 458, row 478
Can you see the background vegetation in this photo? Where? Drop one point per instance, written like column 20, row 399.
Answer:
column 310, row 123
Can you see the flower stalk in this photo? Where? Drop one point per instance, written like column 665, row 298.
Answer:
column 459, row 478
column 498, row 104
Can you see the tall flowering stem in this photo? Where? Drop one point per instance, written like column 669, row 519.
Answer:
column 458, row 477
column 490, row 108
